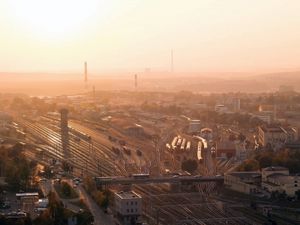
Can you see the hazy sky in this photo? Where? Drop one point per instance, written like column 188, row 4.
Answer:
column 130, row 35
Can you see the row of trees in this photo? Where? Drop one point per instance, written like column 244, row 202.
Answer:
column 102, row 198
column 56, row 214
column 285, row 157
column 170, row 109
column 15, row 167
column 37, row 104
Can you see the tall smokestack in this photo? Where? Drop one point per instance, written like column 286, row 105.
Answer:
column 94, row 92
column 85, row 72
column 172, row 62
column 135, row 81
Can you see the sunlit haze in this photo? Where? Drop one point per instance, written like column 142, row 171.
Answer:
column 131, row 35
column 149, row 112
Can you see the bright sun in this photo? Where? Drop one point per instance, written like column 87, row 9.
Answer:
column 54, row 19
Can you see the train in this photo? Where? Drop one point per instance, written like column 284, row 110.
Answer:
column 199, row 150
column 182, row 147
column 188, row 146
column 179, row 141
column 174, row 142
column 141, row 175
column 80, row 134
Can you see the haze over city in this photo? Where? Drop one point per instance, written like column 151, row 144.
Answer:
column 149, row 112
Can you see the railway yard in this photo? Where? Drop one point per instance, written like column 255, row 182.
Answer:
column 178, row 172
column 90, row 153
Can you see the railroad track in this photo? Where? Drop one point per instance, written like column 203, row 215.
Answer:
column 95, row 160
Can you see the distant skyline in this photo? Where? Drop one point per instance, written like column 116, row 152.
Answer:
column 131, row 35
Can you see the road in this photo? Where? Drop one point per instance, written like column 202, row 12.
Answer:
column 100, row 218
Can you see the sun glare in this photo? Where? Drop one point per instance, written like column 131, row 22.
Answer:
column 55, row 19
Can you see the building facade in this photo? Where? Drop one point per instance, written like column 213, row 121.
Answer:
column 277, row 179
column 268, row 171
column 276, row 136
column 244, row 182
column 128, row 207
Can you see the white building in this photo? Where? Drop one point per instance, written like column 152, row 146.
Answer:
column 221, row 108
column 194, row 126
column 236, row 104
column 278, row 179
column 128, row 207
column 268, row 171
column 264, row 116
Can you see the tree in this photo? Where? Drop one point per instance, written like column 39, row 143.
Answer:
column 249, row 165
column 231, row 137
column 66, row 189
column 242, row 137
column 189, row 165
column 66, row 166
column 56, row 209
column 298, row 195
column 48, row 171
column 89, row 184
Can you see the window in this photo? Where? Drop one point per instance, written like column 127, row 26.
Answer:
column 296, row 185
column 128, row 210
column 131, row 203
column 132, row 210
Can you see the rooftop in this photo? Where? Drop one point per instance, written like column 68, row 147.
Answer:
column 127, row 195
column 250, row 174
column 27, row 194
column 274, row 168
column 272, row 128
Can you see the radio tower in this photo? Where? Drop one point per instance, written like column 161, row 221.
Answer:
column 135, row 81
column 85, row 74
column 172, row 62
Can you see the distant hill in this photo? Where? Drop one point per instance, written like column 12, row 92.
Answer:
column 69, row 83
